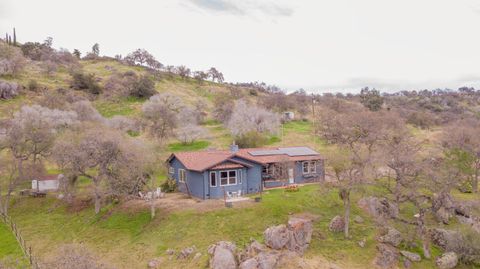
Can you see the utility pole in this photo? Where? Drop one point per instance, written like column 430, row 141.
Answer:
column 313, row 118
column 14, row 37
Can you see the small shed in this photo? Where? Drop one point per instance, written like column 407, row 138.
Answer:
column 46, row 183
column 289, row 115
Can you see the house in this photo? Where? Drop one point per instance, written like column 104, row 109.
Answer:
column 46, row 183
column 220, row 173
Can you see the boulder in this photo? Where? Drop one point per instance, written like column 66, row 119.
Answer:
column 223, row 256
column 252, row 250
column 249, row 264
column 358, row 219
column 186, row 252
column 379, row 208
column 197, row 256
column 337, row 224
column 295, row 236
column 362, row 243
column 443, row 215
column 267, row 260
column 301, row 234
column 392, row 237
column 414, row 257
column 447, row 260
column 446, row 239
column 155, row 263
column 170, row 251
column 276, row 237
column 387, row 256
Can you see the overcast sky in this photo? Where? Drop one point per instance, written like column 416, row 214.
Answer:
column 318, row 45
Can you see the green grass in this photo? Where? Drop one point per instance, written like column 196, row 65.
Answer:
column 128, row 238
column 196, row 145
column 298, row 126
column 125, row 107
column 9, row 247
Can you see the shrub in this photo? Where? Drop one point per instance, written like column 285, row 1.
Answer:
column 11, row 60
column 32, row 85
column 85, row 83
column 421, row 120
column 144, row 87
column 251, row 139
column 8, row 90
column 170, row 185
column 292, row 188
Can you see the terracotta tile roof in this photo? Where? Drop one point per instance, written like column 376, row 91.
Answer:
column 202, row 160
column 227, row 165
column 47, row 177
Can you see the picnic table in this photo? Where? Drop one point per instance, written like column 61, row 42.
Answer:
column 39, row 194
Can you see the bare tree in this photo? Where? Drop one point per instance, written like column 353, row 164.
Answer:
column 187, row 134
column 214, row 74
column 12, row 60
column 183, row 71
column 246, row 118
column 161, row 112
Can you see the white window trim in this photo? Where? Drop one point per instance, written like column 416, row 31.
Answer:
column 210, row 178
column 239, row 177
column 171, row 170
column 180, row 175
column 314, row 163
column 228, row 177
column 303, row 168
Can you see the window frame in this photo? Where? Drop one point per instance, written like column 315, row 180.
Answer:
column 228, row 177
column 303, row 167
column 171, row 170
column 210, row 178
column 313, row 164
column 239, row 177
column 180, row 178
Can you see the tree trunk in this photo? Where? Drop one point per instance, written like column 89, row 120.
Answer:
column 97, row 199
column 475, row 182
column 152, row 209
column 346, row 205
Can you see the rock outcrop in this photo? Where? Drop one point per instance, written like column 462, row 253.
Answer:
column 223, row 255
column 337, row 224
column 379, row 208
column 447, row 260
column 392, row 237
column 295, row 236
column 414, row 257
column 387, row 256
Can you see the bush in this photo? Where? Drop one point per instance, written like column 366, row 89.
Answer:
column 421, row 120
column 8, row 90
column 85, row 83
column 144, row 87
column 32, row 85
column 170, row 185
column 11, row 60
column 251, row 139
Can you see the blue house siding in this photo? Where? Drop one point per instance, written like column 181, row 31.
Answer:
column 253, row 176
column 219, row 191
column 299, row 177
column 195, row 180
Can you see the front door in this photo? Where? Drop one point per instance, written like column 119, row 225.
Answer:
column 290, row 176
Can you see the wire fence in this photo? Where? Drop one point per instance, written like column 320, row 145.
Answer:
column 27, row 250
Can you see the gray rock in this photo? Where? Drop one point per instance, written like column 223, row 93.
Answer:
column 447, row 260
column 362, row 243
column 337, row 224
column 276, row 237
column 446, row 239
column 358, row 219
column 267, row 260
column 223, row 256
column 295, row 236
column 414, row 257
column 392, row 237
column 443, row 215
column 197, row 256
column 155, row 263
column 379, row 208
column 407, row 263
column 387, row 256
column 186, row 252
column 249, row 264
column 170, row 251
column 301, row 234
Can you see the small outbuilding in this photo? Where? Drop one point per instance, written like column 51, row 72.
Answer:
column 46, row 183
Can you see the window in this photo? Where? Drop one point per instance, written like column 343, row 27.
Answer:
column 309, row 167
column 171, row 170
column 232, row 177
column 213, row 179
column 313, row 167
column 182, row 175
column 240, row 177
column 265, row 169
column 305, row 167
column 228, row 177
